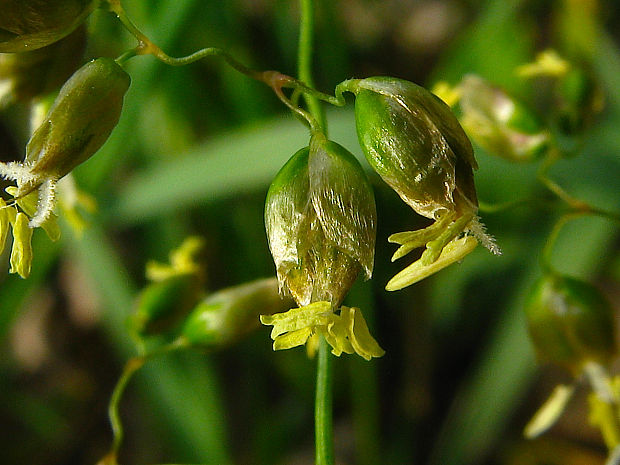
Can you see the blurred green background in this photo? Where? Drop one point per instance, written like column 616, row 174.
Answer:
column 194, row 153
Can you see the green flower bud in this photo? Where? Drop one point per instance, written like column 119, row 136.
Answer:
column 576, row 97
column 498, row 123
column 175, row 289
column 227, row 315
column 579, row 101
column 570, row 322
column 31, row 24
column 28, row 75
column 82, row 117
column 415, row 143
column 320, row 218
column 164, row 303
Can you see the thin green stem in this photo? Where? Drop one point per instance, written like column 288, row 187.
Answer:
column 577, row 206
column 312, row 122
column 490, row 208
column 546, row 255
column 132, row 365
column 559, row 191
column 274, row 79
column 323, row 423
column 304, row 64
column 147, row 47
column 573, row 202
column 555, row 188
column 565, row 218
column 126, row 56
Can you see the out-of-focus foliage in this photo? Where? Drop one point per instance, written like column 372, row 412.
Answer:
column 194, row 153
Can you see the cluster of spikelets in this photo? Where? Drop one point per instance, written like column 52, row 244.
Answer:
column 320, row 213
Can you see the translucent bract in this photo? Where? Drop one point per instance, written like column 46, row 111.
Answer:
column 498, row 123
column 415, row 143
column 320, row 218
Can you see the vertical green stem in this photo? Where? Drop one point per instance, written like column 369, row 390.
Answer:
column 323, row 423
column 304, row 59
column 546, row 255
column 323, row 428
